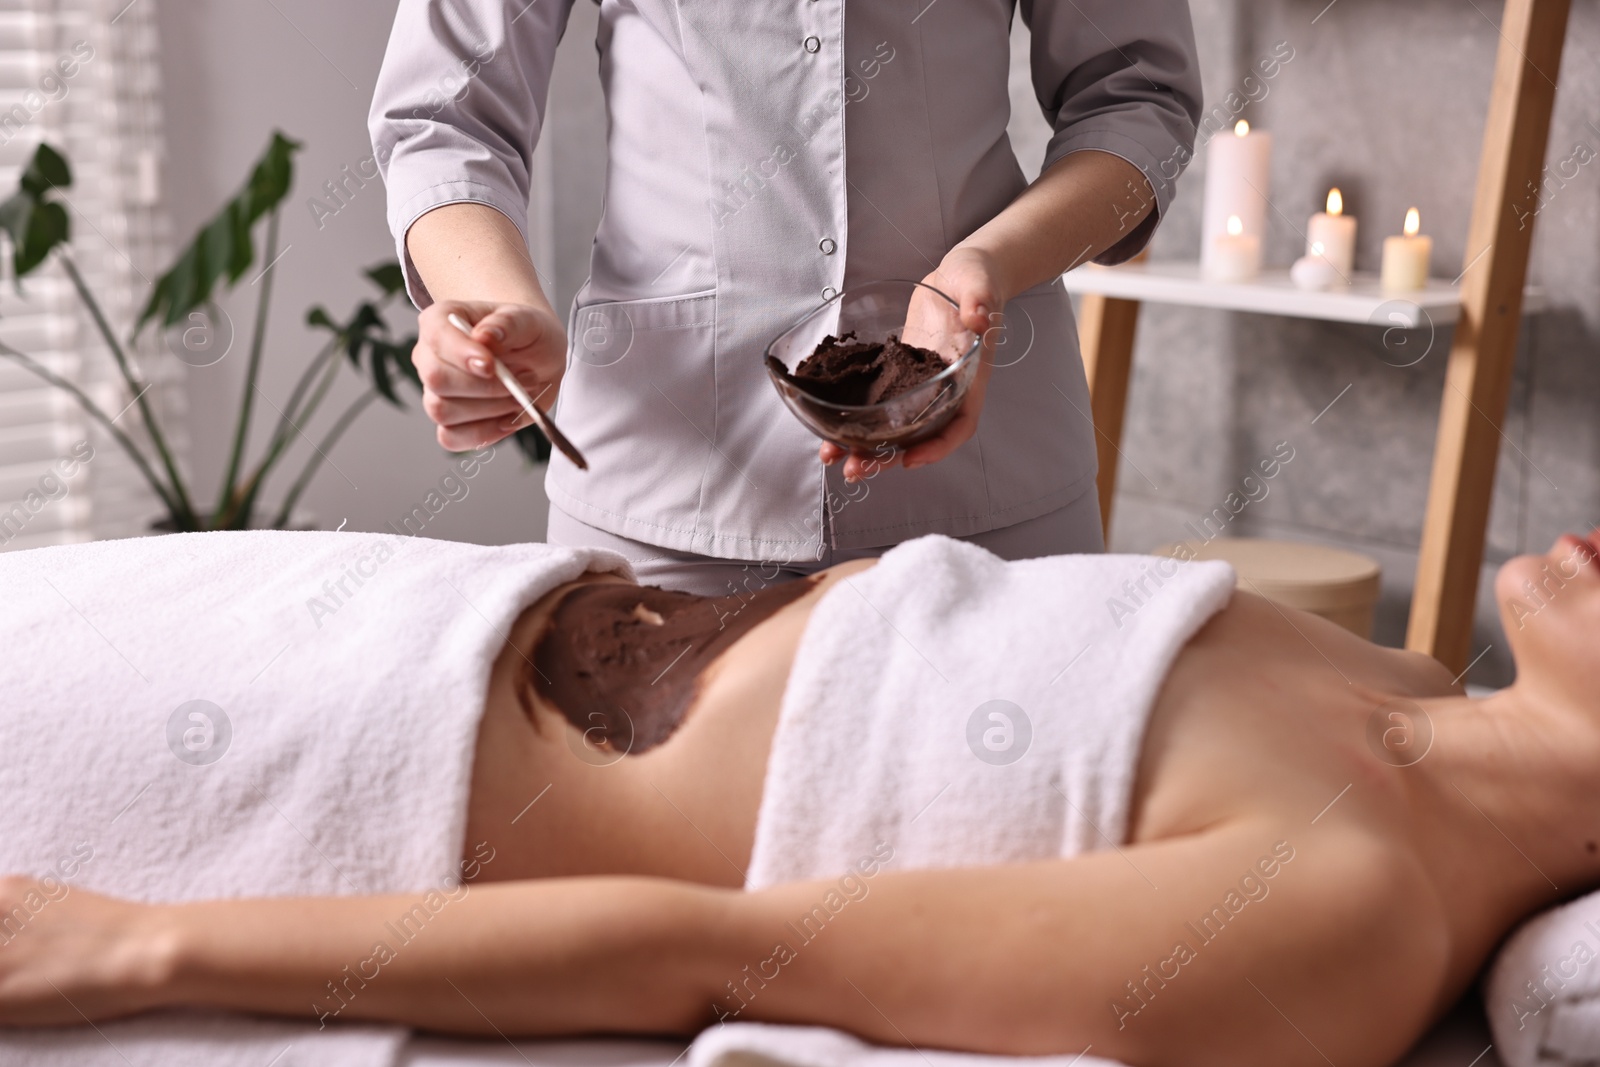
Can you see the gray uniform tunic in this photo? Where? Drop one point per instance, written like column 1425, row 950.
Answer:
column 764, row 154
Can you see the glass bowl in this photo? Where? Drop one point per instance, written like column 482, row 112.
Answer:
column 919, row 315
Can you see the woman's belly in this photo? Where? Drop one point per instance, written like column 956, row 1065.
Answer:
column 602, row 752
column 624, row 663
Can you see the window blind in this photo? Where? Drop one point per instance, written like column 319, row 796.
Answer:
column 84, row 76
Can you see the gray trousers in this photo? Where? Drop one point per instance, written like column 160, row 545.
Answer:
column 1074, row 528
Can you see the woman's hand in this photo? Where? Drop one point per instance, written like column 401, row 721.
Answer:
column 68, row 955
column 460, row 391
column 972, row 278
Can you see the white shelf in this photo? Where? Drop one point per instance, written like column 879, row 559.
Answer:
column 1274, row 294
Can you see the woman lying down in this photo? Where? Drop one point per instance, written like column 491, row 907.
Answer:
column 935, row 801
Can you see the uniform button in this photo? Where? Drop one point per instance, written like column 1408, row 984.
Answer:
column 813, row 44
column 829, row 293
column 827, row 246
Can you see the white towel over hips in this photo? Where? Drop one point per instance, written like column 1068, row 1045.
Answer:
column 953, row 709
column 234, row 714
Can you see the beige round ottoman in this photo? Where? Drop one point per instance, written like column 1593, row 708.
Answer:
column 1340, row 586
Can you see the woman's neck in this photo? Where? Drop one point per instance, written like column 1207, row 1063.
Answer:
column 1512, row 782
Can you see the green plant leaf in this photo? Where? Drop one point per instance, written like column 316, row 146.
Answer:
column 224, row 248
column 384, row 358
column 397, row 355
column 400, row 353
column 383, row 381
column 366, row 322
column 273, row 175
column 36, row 225
column 366, row 343
column 45, row 171
column 387, row 277
column 47, row 228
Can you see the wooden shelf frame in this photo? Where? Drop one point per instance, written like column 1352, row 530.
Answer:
column 1487, row 311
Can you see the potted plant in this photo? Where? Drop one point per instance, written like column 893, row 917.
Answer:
column 215, row 260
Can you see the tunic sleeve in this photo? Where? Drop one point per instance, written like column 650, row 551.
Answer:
column 458, row 107
column 1119, row 76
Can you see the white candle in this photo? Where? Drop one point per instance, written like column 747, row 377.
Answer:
column 1406, row 259
column 1336, row 233
column 1313, row 272
column 1235, row 255
column 1238, row 169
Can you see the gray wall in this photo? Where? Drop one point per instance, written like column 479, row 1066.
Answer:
column 1385, row 100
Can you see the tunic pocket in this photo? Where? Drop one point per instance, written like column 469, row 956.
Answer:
column 639, row 400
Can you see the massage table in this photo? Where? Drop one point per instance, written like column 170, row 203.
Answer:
column 472, row 594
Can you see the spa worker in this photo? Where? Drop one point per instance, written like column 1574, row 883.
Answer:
column 763, row 156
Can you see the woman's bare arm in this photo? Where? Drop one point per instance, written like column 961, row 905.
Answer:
column 571, row 955
column 1023, row 959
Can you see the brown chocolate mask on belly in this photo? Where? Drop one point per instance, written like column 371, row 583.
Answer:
column 622, row 662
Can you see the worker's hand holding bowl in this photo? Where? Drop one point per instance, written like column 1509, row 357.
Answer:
column 875, row 370
column 970, row 279
column 459, row 389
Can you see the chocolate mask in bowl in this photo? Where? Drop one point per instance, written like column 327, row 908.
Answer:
column 891, row 368
column 846, row 370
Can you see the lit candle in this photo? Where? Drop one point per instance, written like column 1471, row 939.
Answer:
column 1406, row 259
column 1238, row 169
column 1336, row 233
column 1235, row 255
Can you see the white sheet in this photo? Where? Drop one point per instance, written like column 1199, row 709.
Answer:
column 1460, row 1040
column 592, row 1052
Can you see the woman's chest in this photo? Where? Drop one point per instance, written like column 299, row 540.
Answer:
column 1267, row 714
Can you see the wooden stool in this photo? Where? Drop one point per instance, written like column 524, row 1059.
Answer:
column 1340, row 586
